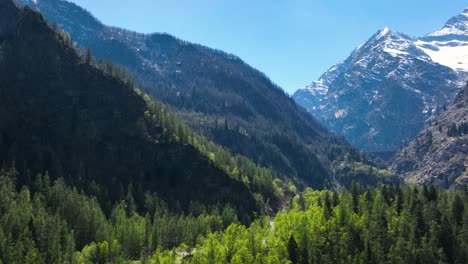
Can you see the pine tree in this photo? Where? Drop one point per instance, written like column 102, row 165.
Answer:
column 292, row 250
column 89, row 56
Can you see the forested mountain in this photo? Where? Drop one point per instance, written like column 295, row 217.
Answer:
column 382, row 94
column 220, row 96
column 439, row 154
column 60, row 114
column 96, row 171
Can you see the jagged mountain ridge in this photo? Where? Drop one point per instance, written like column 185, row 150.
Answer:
column 439, row 154
column 382, row 94
column 64, row 116
column 217, row 94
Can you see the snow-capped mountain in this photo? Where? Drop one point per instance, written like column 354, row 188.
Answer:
column 382, row 94
column 449, row 46
column 455, row 27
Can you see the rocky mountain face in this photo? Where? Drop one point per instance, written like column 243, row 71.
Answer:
column 439, row 154
column 64, row 116
column 381, row 96
column 218, row 95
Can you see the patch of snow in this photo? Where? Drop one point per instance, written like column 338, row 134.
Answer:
column 341, row 113
column 453, row 56
column 383, row 32
column 458, row 25
column 362, row 63
column 317, row 88
column 447, row 31
column 395, row 52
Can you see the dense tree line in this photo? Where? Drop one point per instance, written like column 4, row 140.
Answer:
column 390, row 224
column 53, row 223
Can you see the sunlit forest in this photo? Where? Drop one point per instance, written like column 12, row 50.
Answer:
column 53, row 223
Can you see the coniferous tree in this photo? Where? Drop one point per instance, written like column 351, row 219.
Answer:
column 89, row 59
column 292, row 250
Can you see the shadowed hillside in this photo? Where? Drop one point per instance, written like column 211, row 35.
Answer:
column 61, row 115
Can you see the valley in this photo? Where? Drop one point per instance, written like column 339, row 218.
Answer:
column 123, row 147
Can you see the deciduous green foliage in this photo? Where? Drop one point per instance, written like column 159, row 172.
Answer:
column 58, row 224
column 390, row 224
column 52, row 223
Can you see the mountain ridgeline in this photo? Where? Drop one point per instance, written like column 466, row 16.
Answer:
column 220, row 96
column 61, row 115
column 383, row 93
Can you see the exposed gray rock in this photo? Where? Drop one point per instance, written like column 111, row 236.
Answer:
column 382, row 95
column 439, row 154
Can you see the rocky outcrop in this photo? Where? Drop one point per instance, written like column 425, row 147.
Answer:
column 439, row 154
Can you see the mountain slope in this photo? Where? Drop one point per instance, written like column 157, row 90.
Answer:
column 439, row 154
column 217, row 94
column 383, row 93
column 66, row 117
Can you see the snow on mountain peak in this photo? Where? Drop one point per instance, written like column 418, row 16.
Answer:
column 391, row 42
column 449, row 46
column 383, row 32
column 386, row 36
column 361, row 97
column 457, row 25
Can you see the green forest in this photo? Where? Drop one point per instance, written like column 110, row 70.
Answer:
column 53, row 223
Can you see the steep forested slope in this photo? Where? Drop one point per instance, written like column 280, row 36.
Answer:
column 60, row 114
column 217, row 94
column 439, row 154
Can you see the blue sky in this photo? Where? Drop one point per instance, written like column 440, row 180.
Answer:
column 292, row 41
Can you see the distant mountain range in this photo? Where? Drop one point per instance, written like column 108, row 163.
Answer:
column 381, row 96
column 439, row 154
column 220, row 96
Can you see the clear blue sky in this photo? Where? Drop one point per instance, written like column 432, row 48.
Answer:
column 292, row 41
